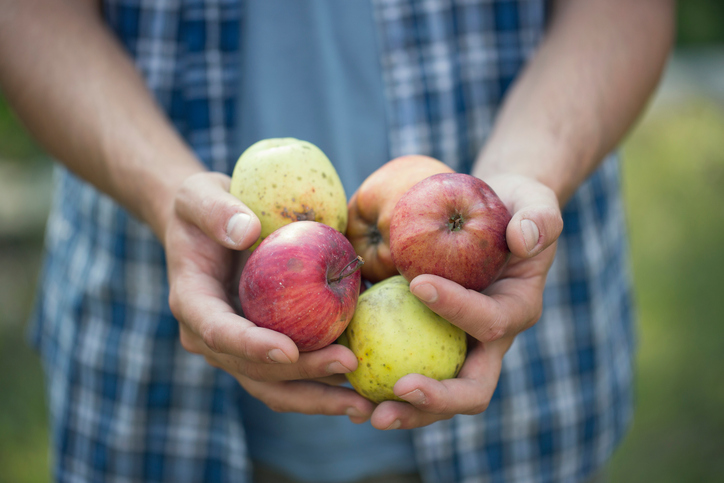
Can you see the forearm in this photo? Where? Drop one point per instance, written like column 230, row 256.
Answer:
column 581, row 92
column 79, row 94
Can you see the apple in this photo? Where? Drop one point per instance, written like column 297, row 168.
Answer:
column 451, row 225
column 283, row 180
column 303, row 280
column 393, row 334
column 370, row 210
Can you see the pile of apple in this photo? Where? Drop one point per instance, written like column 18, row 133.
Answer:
column 412, row 216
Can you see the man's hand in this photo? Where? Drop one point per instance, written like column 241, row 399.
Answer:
column 493, row 318
column 207, row 230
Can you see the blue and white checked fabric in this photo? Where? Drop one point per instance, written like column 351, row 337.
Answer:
column 129, row 404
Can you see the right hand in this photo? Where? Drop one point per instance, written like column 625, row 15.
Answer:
column 204, row 238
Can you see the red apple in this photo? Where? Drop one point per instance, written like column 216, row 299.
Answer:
column 370, row 210
column 303, row 281
column 451, row 225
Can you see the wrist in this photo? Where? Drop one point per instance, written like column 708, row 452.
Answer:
column 555, row 162
column 157, row 207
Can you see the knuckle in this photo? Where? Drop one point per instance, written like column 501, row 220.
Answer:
column 238, row 367
column 537, row 314
column 440, row 408
column 212, row 362
column 478, row 408
column 277, row 405
column 325, row 404
column 444, row 417
column 208, row 335
column 174, row 302
column 558, row 223
column 185, row 194
column 495, row 332
column 188, row 342
column 533, row 313
column 306, row 372
column 455, row 313
column 246, row 349
column 553, row 220
column 253, row 372
column 548, row 192
column 497, row 328
column 214, row 213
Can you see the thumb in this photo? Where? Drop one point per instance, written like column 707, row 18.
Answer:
column 537, row 222
column 533, row 229
column 204, row 201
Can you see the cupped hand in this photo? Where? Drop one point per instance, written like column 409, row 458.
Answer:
column 206, row 235
column 492, row 318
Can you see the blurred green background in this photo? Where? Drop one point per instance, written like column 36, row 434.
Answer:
column 673, row 175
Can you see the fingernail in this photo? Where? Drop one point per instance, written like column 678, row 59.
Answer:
column 414, row 397
column 354, row 413
column 237, row 226
column 530, row 234
column 278, row 356
column 425, row 292
column 337, row 367
column 395, row 425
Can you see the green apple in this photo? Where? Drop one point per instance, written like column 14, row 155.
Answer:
column 284, row 180
column 393, row 334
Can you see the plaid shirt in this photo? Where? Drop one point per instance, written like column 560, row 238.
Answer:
column 129, row 404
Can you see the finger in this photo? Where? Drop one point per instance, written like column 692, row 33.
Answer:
column 391, row 415
column 336, row 380
column 329, row 361
column 204, row 200
column 199, row 302
column 510, row 306
column 536, row 221
column 309, row 397
column 533, row 229
column 231, row 335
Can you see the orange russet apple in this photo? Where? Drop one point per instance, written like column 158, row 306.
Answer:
column 370, row 210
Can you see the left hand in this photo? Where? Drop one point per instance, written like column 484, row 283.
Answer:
column 492, row 319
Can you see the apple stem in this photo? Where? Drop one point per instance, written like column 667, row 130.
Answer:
column 374, row 235
column 347, row 271
column 455, row 223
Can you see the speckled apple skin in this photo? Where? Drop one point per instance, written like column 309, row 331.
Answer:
column 283, row 180
column 422, row 241
column 393, row 334
column 370, row 210
column 284, row 285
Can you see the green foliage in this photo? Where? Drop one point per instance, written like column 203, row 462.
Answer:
column 15, row 142
column 23, row 419
column 700, row 22
column 674, row 185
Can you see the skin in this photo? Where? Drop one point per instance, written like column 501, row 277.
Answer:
column 78, row 93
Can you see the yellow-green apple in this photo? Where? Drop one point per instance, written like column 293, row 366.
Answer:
column 370, row 210
column 451, row 225
column 286, row 179
column 303, row 280
column 393, row 334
